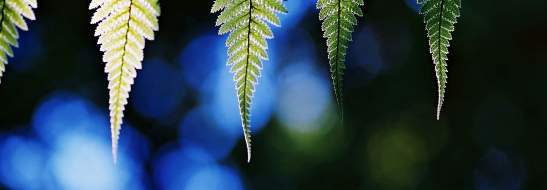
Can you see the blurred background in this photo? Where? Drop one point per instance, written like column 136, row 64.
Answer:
column 182, row 127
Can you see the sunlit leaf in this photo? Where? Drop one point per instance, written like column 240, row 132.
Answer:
column 339, row 20
column 122, row 28
column 12, row 17
column 440, row 17
column 247, row 21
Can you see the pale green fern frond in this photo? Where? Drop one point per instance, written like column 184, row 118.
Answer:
column 247, row 22
column 123, row 26
column 339, row 19
column 12, row 14
column 440, row 17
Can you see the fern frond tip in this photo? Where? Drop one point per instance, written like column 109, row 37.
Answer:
column 440, row 16
column 246, row 22
column 123, row 27
column 248, row 145
column 114, row 143
column 339, row 20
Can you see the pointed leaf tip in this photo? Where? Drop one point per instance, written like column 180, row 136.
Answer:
column 248, row 156
column 247, row 136
column 439, row 107
column 249, row 152
column 114, row 146
column 438, row 114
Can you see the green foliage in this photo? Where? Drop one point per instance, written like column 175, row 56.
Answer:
column 339, row 20
column 440, row 17
column 12, row 17
column 246, row 21
column 123, row 26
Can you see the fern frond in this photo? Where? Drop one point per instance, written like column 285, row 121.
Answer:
column 12, row 14
column 247, row 22
column 440, row 17
column 123, row 26
column 339, row 19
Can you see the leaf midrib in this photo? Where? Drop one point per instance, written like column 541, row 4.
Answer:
column 244, row 99
column 439, row 33
column 119, row 87
column 440, row 67
column 337, row 56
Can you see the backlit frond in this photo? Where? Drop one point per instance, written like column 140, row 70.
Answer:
column 247, row 21
column 12, row 14
column 339, row 19
column 122, row 28
column 440, row 17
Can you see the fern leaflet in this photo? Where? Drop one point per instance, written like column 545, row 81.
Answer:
column 123, row 26
column 339, row 19
column 440, row 17
column 12, row 17
column 246, row 21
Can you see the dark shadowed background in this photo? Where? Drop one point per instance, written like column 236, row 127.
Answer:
column 182, row 128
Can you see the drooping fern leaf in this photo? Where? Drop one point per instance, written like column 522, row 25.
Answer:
column 247, row 22
column 123, row 26
column 339, row 19
column 440, row 17
column 12, row 14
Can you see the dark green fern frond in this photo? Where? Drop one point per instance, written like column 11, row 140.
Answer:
column 247, row 22
column 339, row 19
column 12, row 14
column 440, row 17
